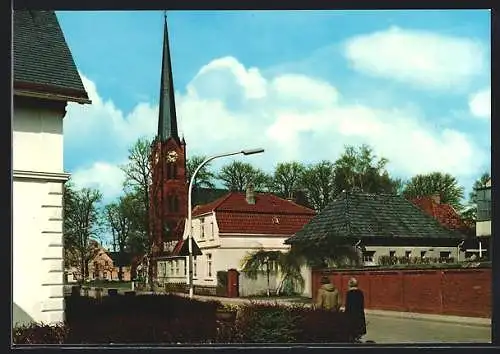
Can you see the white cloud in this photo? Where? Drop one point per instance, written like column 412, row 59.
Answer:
column 294, row 117
column 421, row 58
column 480, row 104
column 106, row 177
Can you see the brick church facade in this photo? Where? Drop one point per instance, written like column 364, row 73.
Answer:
column 169, row 187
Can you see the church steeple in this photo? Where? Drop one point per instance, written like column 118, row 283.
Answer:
column 167, row 120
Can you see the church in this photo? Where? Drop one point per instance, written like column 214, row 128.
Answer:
column 169, row 186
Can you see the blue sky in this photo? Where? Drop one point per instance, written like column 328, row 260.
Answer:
column 415, row 85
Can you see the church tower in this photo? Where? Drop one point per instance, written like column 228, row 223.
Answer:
column 168, row 192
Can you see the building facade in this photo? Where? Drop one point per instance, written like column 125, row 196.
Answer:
column 483, row 219
column 383, row 227
column 232, row 227
column 45, row 80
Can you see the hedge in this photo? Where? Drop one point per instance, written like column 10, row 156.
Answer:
column 170, row 319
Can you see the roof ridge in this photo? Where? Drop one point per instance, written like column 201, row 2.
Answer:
column 221, row 200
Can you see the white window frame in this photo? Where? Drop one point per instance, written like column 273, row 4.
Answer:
column 209, row 265
column 176, row 267
column 202, row 228
column 212, row 230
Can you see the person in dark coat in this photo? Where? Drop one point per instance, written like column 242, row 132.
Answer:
column 355, row 308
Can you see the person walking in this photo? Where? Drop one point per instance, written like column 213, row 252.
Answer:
column 328, row 297
column 355, row 308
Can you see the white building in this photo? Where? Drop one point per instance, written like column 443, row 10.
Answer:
column 229, row 228
column 483, row 222
column 45, row 80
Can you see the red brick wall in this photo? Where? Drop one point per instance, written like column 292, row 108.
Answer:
column 460, row 292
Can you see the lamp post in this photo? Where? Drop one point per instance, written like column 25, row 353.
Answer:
column 190, row 218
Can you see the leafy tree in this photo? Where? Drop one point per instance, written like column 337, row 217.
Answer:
column 237, row 175
column 286, row 178
column 82, row 225
column 442, row 184
column 360, row 168
column 120, row 217
column 318, row 183
column 138, row 179
column 263, row 261
column 204, row 177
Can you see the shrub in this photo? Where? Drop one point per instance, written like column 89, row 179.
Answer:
column 39, row 334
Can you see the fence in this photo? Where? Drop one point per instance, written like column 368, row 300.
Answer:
column 460, row 292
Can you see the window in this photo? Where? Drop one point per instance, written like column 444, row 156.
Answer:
column 368, row 256
column 105, row 275
column 161, row 269
column 176, row 267
column 422, row 254
column 106, row 263
column 209, row 265
column 185, row 267
column 202, row 228
column 392, row 254
column 95, row 275
column 96, row 265
column 483, row 200
column 194, row 267
column 212, row 233
column 444, row 254
column 408, row 254
column 74, row 276
column 175, row 204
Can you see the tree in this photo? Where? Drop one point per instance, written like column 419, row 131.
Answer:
column 360, row 168
column 204, row 177
column 318, row 183
column 120, row 217
column 82, row 224
column 237, row 175
column 435, row 183
column 138, row 179
column 286, row 178
column 263, row 261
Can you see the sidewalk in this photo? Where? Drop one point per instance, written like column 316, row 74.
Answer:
column 469, row 321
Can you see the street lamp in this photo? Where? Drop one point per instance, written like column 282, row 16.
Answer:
column 190, row 218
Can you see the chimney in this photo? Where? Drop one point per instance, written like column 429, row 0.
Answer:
column 436, row 198
column 250, row 197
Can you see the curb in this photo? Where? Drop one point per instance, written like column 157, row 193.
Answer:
column 465, row 321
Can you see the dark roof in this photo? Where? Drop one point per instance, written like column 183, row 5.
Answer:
column 167, row 120
column 358, row 215
column 123, row 259
column 43, row 62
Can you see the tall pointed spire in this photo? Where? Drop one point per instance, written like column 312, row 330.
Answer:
column 167, row 120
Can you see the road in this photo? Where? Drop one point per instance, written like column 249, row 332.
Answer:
column 395, row 330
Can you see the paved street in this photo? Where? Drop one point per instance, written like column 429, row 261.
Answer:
column 382, row 329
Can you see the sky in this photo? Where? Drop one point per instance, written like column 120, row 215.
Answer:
column 414, row 85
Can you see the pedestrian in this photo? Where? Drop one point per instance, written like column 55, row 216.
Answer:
column 355, row 309
column 328, row 297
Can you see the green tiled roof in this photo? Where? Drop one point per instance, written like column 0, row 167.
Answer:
column 42, row 58
column 358, row 215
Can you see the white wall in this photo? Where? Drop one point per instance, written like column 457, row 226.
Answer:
column 37, row 214
column 483, row 228
column 37, row 141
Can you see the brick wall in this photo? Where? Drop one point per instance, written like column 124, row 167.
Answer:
column 460, row 292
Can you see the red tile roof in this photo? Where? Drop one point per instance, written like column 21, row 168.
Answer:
column 270, row 215
column 444, row 213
